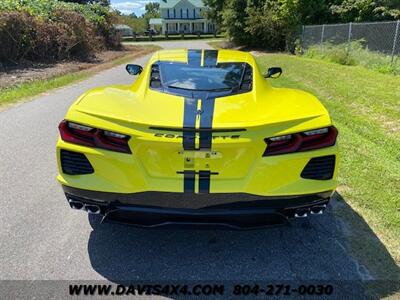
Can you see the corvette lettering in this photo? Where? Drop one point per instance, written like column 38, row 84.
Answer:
column 179, row 136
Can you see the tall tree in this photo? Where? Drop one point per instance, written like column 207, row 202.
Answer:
column 152, row 9
column 367, row 10
column 214, row 11
column 275, row 24
column 101, row 2
column 233, row 20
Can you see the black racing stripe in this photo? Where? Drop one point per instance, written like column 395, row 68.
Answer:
column 210, row 58
column 206, row 120
column 204, row 182
column 194, row 57
column 189, row 124
column 189, row 181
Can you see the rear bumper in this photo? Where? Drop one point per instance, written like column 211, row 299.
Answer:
column 235, row 210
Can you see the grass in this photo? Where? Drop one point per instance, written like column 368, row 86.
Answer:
column 22, row 91
column 365, row 106
column 355, row 54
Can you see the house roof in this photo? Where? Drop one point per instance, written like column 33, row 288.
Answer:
column 172, row 3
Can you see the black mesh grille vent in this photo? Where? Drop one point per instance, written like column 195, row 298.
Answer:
column 155, row 79
column 320, row 168
column 74, row 163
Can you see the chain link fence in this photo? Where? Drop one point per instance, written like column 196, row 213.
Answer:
column 383, row 37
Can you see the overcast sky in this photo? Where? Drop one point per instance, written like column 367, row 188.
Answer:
column 127, row 7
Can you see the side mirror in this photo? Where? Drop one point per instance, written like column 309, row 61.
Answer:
column 274, row 72
column 133, row 69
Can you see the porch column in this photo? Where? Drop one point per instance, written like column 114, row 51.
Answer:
column 205, row 27
column 179, row 26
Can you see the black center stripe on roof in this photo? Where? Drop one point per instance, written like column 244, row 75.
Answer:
column 194, row 57
column 206, row 115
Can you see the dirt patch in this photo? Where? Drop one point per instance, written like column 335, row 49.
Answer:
column 28, row 71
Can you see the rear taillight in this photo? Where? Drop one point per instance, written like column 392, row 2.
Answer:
column 92, row 137
column 303, row 141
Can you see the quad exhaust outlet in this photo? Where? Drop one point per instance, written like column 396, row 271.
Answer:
column 305, row 212
column 76, row 204
column 90, row 208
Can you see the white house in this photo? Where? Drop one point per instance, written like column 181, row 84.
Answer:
column 182, row 16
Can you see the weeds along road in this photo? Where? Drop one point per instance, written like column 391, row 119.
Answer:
column 42, row 238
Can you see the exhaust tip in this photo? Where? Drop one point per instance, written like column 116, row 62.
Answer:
column 317, row 210
column 75, row 204
column 301, row 213
column 92, row 209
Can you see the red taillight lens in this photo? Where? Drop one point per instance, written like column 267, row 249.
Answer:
column 304, row 141
column 93, row 137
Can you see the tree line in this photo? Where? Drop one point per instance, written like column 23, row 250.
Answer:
column 275, row 24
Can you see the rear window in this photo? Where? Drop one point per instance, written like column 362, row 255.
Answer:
column 223, row 76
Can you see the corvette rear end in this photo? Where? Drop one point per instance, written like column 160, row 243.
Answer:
column 199, row 138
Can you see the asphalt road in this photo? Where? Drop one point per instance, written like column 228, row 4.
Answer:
column 42, row 238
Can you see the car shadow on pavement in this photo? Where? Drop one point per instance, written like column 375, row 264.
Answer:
column 337, row 247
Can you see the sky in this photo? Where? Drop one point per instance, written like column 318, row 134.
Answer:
column 129, row 6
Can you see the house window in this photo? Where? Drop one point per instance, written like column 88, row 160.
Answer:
column 187, row 13
column 174, row 14
column 194, row 13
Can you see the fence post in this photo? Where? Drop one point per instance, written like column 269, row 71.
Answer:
column 350, row 28
column 349, row 37
column 322, row 35
column 395, row 39
column 303, row 28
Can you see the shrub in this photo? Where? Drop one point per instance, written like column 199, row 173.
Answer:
column 354, row 54
column 49, row 30
column 78, row 37
column 17, row 35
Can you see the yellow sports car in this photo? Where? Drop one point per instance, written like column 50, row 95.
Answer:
column 200, row 138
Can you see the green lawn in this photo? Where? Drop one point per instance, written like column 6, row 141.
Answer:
column 365, row 106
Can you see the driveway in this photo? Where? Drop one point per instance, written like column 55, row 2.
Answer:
column 43, row 239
